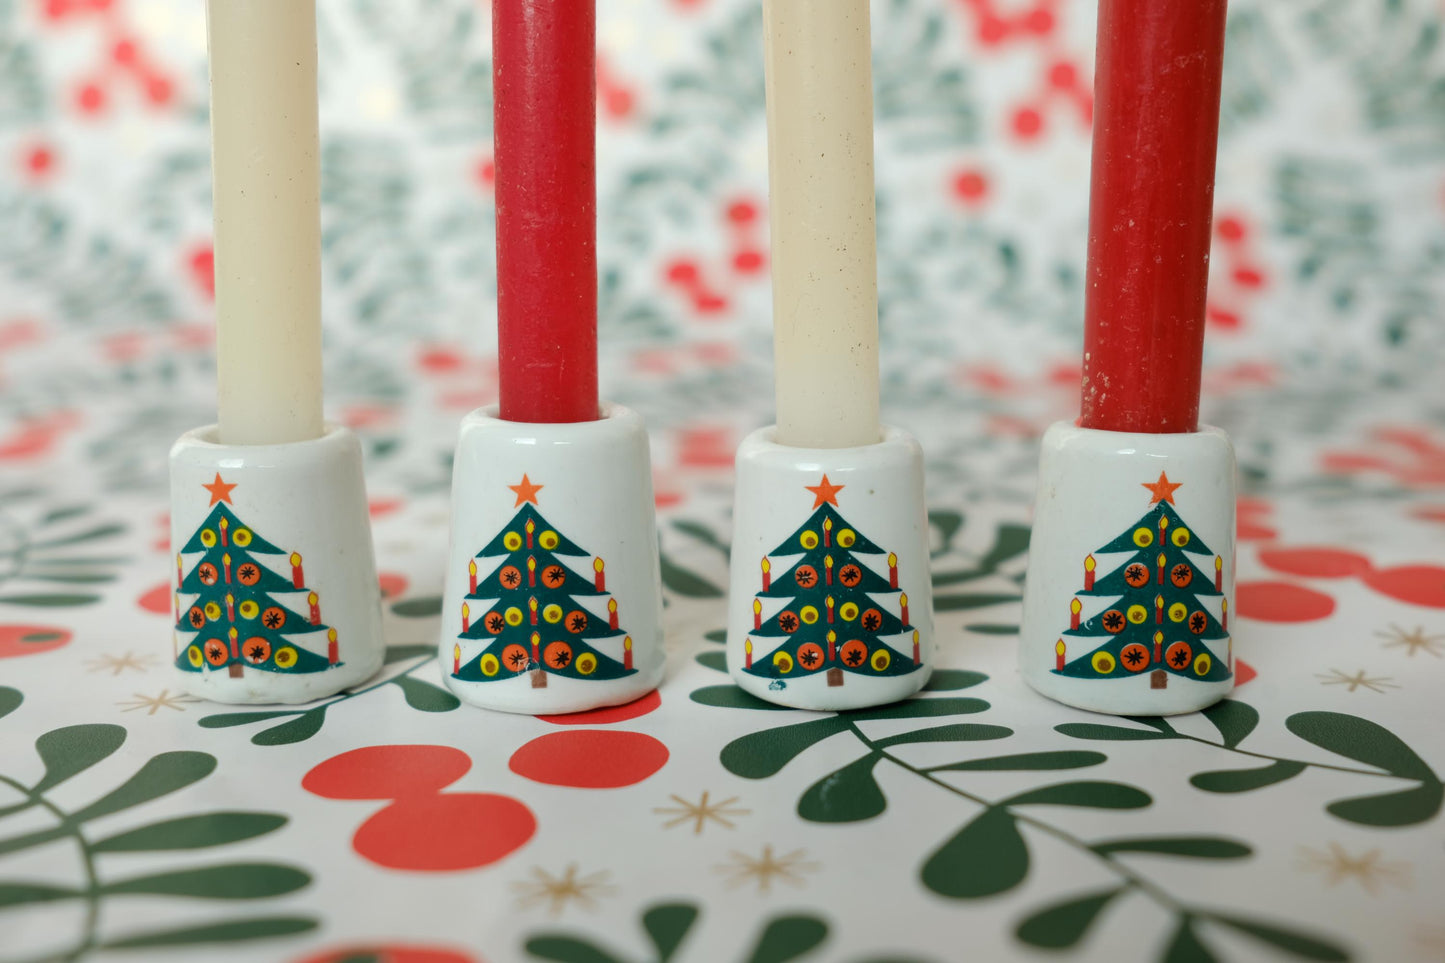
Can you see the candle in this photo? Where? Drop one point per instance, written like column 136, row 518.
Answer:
column 1059, row 650
column 1089, row 566
column 824, row 257
column 267, row 186
column 466, row 617
column 333, row 650
column 1156, row 127
column 544, row 76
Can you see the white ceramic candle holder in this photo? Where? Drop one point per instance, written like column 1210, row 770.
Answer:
column 1131, row 571
column 831, row 604
column 553, row 596
column 276, row 597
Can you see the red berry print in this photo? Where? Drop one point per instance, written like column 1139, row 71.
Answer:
column 425, row 829
column 1028, row 123
column 970, row 186
column 590, row 759
column 18, row 640
column 157, row 600
column 611, row 714
column 1315, row 562
column 389, row 953
column 387, row 772
column 1414, row 584
column 1282, row 602
column 446, row 832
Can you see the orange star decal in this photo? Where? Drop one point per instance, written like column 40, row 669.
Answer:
column 220, row 490
column 525, row 492
column 825, row 493
column 1163, row 489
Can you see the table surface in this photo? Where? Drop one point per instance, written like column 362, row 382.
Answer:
column 1298, row 820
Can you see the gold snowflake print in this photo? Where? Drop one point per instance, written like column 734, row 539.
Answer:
column 1370, row 870
column 701, row 812
column 1358, row 680
column 1412, row 642
column 116, row 664
column 557, row 892
column 153, row 704
column 741, row 869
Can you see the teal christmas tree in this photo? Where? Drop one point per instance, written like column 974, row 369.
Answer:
column 240, row 615
column 833, row 619
column 528, row 610
column 1157, row 625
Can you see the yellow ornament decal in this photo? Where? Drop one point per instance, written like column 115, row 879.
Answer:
column 1202, row 664
column 1137, row 614
column 1103, row 663
column 249, row 609
column 880, row 660
column 552, row 613
column 849, row 611
column 1143, row 537
column 490, row 665
column 783, row 662
column 242, row 538
column 549, row 540
column 809, row 540
column 193, row 655
column 285, row 657
column 586, row 663
column 847, row 538
column 213, row 611
column 513, row 615
column 208, row 538
column 1178, row 612
column 809, row 615
column 1180, row 538
column 511, row 541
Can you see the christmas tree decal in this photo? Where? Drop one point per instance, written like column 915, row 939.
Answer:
column 239, row 616
column 1157, row 625
column 833, row 619
column 527, row 608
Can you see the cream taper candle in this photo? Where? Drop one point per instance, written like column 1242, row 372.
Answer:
column 266, row 164
column 824, row 245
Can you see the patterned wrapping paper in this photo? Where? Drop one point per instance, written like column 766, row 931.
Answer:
column 1299, row 820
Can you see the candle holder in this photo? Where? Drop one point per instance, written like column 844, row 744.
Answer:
column 831, row 604
column 267, row 539
column 553, row 597
column 1131, row 571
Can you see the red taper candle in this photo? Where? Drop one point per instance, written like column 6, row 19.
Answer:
column 544, row 77
column 333, row 649
column 1156, row 129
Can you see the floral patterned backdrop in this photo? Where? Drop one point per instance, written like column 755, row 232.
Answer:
column 1301, row 819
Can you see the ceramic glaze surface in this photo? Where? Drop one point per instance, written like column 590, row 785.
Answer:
column 1131, row 571
column 831, row 603
column 275, row 592
column 553, row 599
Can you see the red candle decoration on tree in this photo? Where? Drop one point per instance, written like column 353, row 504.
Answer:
column 892, row 570
column 544, row 78
column 1158, row 610
column 226, row 564
column 601, row 576
column 1075, row 607
column 828, row 568
column 224, row 525
column 333, row 651
column 298, row 574
column 747, row 653
column 917, row 655
column 612, row 614
column 466, row 617
column 456, row 659
column 315, row 602
column 1089, row 566
column 627, row 652
column 828, row 603
column 531, row 571
column 767, row 575
column 757, row 614
column 1158, row 647
column 235, row 638
column 472, row 577
column 1059, row 650
column 532, row 609
column 903, row 604
column 230, row 607
column 1156, row 130
column 1218, row 573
